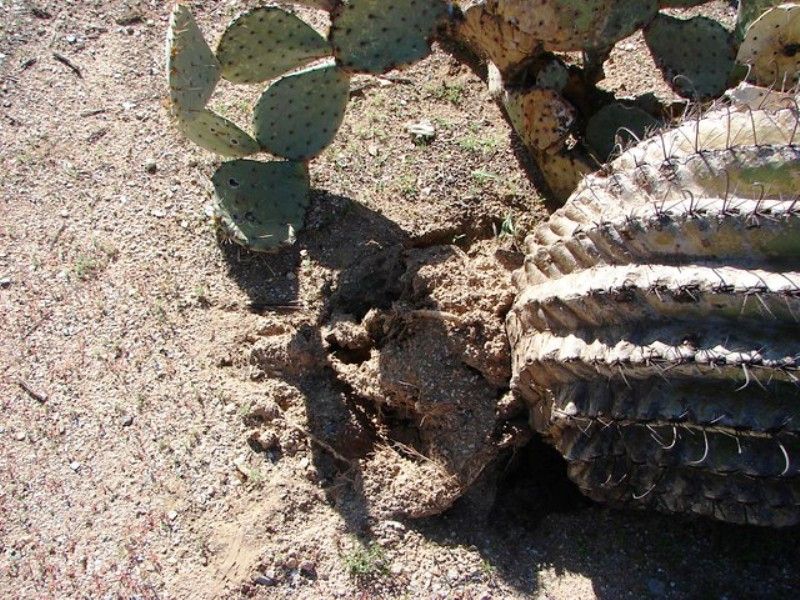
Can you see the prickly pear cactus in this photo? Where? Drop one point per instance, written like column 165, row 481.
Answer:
column 749, row 11
column 192, row 69
column 655, row 334
column 192, row 74
column 696, row 55
column 375, row 36
column 615, row 126
column 298, row 115
column 261, row 205
column 215, row 133
column 542, row 116
column 267, row 42
column 522, row 40
column 771, row 47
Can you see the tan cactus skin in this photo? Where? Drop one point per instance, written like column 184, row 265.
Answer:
column 655, row 334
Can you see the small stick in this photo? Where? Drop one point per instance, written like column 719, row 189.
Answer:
column 27, row 64
column 95, row 112
column 34, row 327
column 314, row 439
column 69, row 64
column 57, row 235
column 436, row 314
column 39, row 397
column 258, row 307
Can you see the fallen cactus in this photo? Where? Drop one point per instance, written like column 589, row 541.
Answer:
column 654, row 335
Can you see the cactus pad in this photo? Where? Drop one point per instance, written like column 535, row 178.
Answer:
column 298, row 115
column 625, row 18
column 553, row 75
column 266, row 42
column 375, row 36
column 500, row 40
column 542, row 118
column 749, row 11
column 745, row 96
column 216, row 134
column 192, row 69
column 696, row 55
column 562, row 170
column 566, row 25
column 772, row 47
column 616, row 125
column 261, row 205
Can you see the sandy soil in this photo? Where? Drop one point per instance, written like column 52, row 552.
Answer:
column 158, row 436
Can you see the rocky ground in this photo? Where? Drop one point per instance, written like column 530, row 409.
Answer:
column 182, row 419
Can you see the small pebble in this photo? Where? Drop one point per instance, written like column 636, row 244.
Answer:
column 151, row 167
column 264, row 580
column 172, row 515
column 127, row 421
column 307, row 567
column 75, row 465
column 423, row 131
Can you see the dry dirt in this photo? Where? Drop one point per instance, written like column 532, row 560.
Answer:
column 182, row 419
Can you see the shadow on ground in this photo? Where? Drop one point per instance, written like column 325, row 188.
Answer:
column 540, row 528
column 527, row 521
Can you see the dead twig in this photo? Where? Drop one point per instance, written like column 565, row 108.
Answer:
column 68, row 63
column 93, row 112
column 57, row 235
column 34, row 327
column 27, row 64
column 261, row 307
column 436, row 314
column 314, row 439
column 38, row 396
column 41, row 13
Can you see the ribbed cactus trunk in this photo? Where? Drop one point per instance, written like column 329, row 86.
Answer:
column 656, row 334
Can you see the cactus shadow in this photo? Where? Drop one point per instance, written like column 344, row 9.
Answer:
column 542, row 540
column 339, row 232
column 345, row 251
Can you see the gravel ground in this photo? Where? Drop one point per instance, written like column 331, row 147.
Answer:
column 129, row 400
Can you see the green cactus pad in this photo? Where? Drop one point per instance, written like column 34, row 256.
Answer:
column 261, row 205
column 212, row 132
column 192, row 69
column 772, row 47
column 298, row 115
column 266, row 42
column 553, row 75
column 616, row 124
column 375, row 36
column 696, row 55
column 624, row 18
